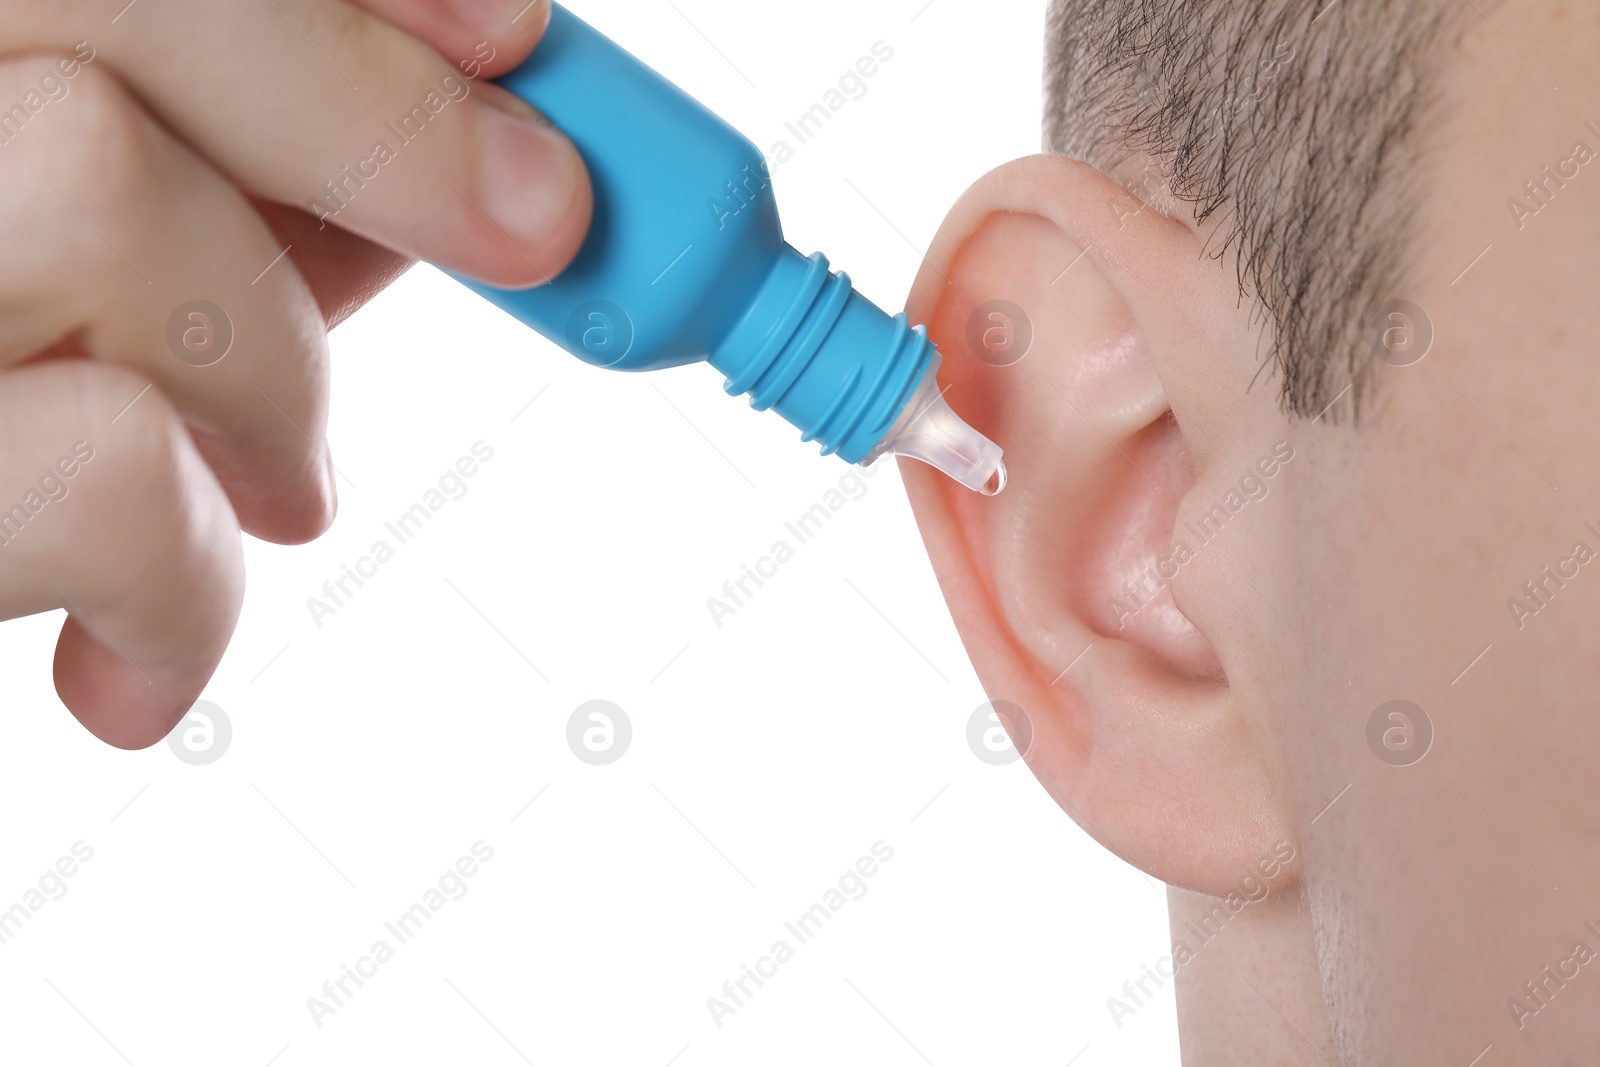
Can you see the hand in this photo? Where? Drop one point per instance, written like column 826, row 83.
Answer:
column 156, row 159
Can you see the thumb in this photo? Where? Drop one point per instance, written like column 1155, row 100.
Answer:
column 481, row 38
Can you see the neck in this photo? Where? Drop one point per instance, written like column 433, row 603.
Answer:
column 1251, row 994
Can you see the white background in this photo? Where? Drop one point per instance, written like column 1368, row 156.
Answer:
column 768, row 755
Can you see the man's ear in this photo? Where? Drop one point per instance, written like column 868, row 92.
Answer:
column 1065, row 308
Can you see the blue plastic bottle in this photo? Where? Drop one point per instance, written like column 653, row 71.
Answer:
column 685, row 260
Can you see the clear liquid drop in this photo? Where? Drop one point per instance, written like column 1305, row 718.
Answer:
column 996, row 482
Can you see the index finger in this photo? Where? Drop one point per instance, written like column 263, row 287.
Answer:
column 327, row 106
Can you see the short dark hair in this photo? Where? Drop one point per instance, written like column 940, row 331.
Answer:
column 1301, row 120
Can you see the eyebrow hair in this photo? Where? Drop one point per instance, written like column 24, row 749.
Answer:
column 1302, row 130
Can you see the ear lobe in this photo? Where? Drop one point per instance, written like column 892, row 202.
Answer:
column 1066, row 587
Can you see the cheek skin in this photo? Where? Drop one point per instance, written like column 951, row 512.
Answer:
column 1411, row 533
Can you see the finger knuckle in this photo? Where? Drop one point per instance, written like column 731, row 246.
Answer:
column 132, row 427
column 145, row 474
column 93, row 144
column 343, row 31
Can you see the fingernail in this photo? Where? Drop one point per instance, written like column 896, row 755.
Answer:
column 529, row 177
column 494, row 19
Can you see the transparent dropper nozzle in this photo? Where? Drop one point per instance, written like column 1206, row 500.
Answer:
column 928, row 430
